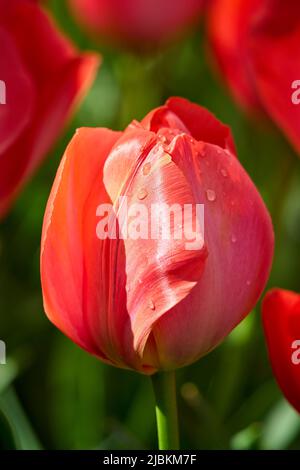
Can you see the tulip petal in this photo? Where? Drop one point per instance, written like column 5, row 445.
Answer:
column 45, row 49
column 277, row 38
column 202, row 124
column 137, row 23
column 281, row 320
column 19, row 94
column 229, row 28
column 117, row 323
column 239, row 239
column 69, row 233
column 163, row 117
column 60, row 76
column 160, row 272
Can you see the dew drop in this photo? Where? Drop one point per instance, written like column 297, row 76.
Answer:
column 248, row 283
column 201, row 152
column 146, row 169
column 211, row 195
column 151, row 304
column 233, row 239
column 224, row 172
column 142, row 194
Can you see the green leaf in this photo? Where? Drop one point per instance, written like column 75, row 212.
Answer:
column 8, row 373
column 7, row 436
column 11, row 409
column 247, row 438
column 281, row 427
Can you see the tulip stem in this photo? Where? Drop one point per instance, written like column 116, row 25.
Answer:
column 164, row 386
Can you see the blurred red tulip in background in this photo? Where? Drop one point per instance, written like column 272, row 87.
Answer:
column 141, row 24
column 256, row 45
column 152, row 304
column 44, row 76
column 281, row 319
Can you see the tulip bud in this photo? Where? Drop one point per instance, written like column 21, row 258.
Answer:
column 255, row 43
column 125, row 291
column 281, row 320
column 42, row 77
column 140, row 24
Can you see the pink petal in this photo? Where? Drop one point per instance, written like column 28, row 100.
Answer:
column 59, row 77
column 20, row 95
column 277, row 38
column 239, row 240
column 160, row 273
column 73, row 293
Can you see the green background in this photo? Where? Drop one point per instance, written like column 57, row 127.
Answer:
column 55, row 396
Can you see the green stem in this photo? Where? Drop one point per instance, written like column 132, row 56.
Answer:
column 164, row 387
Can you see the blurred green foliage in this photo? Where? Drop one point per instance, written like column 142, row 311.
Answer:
column 49, row 387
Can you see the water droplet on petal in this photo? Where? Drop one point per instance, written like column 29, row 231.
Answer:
column 151, row 304
column 224, row 172
column 142, row 194
column 146, row 169
column 233, row 239
column 211, row 195
column 248, row 283
column 201, row 151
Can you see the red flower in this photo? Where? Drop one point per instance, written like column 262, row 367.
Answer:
column 256, row 44
column 154, row 303
column 141, row 24
column 42, row 77
column 281, row 320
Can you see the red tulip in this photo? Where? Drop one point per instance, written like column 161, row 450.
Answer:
column 281, row 320
column 42, row 77
column 137, row 23
column 151, row 304
column 256, row 44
